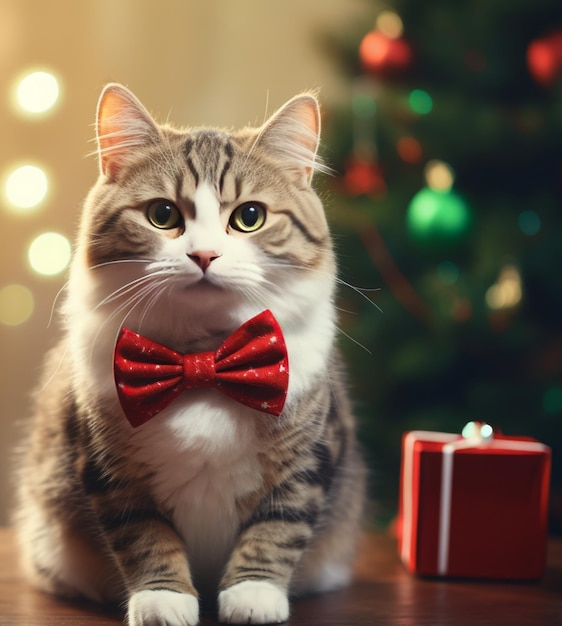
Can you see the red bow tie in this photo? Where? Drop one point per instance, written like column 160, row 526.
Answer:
column 251, row 367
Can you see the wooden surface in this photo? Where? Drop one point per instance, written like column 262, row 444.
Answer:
column 384, row 594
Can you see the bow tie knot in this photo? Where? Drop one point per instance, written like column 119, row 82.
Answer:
column 251, row 366
column 199, row 370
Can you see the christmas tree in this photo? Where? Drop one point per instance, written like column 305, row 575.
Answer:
column 448, row 198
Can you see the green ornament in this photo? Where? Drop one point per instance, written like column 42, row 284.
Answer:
column 439, row 218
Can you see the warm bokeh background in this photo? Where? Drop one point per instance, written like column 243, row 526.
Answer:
column 217, row 62
column 443, row 123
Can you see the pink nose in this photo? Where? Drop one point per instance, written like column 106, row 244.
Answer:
column 203, row 258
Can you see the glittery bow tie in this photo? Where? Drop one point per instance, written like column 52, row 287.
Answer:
column 251, row 366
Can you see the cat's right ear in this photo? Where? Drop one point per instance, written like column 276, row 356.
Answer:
column 123, row 126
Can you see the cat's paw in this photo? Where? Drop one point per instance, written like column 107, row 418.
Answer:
column 253, row 602
column 162, row 608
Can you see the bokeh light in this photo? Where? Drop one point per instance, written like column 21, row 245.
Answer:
column 49, row 253
column 382, row 54
column 529, row 223
column 390, row 24
column 440, row 217
column 16, row 304
column 507, row 292
column 544, row 58
column 26, row 187
column 420, row 102
column 409, row 149
column 37, row 92
column 438, row 175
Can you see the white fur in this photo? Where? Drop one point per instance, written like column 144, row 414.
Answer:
column 203, row 452
column 162, row 608
column 253, row 602
column 207, row 231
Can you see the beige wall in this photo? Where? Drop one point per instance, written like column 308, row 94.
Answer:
column 213, row 62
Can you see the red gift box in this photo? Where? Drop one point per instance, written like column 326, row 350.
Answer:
column 473, row 507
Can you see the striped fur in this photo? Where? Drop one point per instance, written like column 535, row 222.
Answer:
column 209, row 495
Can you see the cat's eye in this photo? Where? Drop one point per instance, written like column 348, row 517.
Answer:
column 248, row 217
column 164, row 214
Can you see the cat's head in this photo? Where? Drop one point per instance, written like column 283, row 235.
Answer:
column 184, row 223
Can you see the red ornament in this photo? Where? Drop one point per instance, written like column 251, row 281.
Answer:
column 385, row 55
column 410, row 150
column 544, row 58
column 363, row 176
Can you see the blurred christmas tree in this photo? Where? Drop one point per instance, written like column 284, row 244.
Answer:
column 449, row 199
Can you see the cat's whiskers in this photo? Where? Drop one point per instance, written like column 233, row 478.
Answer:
column 55, row 301
column 128, row 287
column 172, row 266
column 141, row 294
column 145, row 292
column 253, row 294
column 357, row 343
column 362, row 291
column 57, row 368
column 128, row 305
column 358, row 290
column 248, row 276
column 119, row 261
column 153, row 299
column 250, row 281
column 94, row 267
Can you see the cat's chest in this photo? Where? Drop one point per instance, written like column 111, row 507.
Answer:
column 204, row 461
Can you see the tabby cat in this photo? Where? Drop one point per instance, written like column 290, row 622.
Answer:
column 186, row 236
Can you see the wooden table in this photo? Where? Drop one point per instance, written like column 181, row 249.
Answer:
column 384, row 594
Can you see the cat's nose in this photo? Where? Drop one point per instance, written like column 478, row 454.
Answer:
column 204, row 258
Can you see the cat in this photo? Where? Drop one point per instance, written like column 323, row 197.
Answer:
column 187, row 235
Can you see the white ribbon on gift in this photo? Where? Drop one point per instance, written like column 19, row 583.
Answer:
column 408, row 482
column 474, row 435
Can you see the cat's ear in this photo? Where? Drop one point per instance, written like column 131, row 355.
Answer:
column 123, row 126
column 292, row 135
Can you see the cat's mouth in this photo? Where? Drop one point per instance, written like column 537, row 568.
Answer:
column 204, row 282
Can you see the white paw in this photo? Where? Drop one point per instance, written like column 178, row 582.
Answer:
column 162, row 608
column 253, row 602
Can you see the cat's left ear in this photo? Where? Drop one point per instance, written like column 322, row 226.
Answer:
column 292, row 135
column 123, row 126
